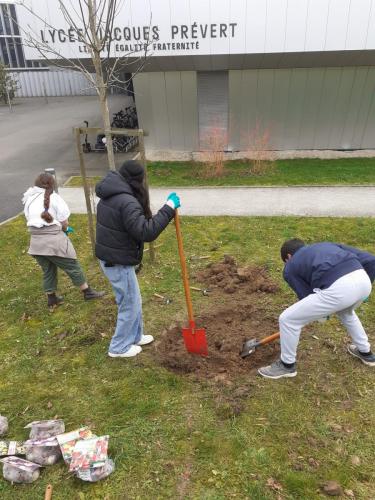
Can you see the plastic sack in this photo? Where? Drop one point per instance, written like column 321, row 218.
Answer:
column 17, row 470
column 43, row 451
column 8, row 448
column 3, row 425
column 98, row 473
column 42, row 429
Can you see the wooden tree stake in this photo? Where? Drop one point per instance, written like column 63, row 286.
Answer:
column 86, row 189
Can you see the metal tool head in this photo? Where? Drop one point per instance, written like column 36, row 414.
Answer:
column 248, row 348
column 195, row 341
column 162, row 299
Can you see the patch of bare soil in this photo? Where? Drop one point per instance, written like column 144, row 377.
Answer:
column 230, row 278
column 239, row 308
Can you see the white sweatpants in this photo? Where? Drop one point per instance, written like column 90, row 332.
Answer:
column 342, row 298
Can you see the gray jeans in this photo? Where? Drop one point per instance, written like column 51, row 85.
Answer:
column 341, row 298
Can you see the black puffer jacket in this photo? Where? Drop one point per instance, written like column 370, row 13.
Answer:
column 121, row 227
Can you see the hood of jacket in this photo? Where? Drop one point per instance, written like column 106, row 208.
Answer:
column 31, row 192
column 112, row 184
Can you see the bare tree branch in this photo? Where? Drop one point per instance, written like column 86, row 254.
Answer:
column 92, row 23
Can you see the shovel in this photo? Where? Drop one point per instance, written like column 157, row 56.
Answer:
column 250, row 345
column 194, row 338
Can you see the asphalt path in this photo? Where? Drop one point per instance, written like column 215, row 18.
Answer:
column 37, row 135
column 313, row 201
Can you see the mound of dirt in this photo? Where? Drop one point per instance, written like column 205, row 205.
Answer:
column 229, row 277
column 239, row 308
column 226, row 330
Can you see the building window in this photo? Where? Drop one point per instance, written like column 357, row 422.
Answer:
column 11, row 50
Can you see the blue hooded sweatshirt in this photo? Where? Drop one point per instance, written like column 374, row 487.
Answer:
column 321, row 264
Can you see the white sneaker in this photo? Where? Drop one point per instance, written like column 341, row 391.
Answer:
column 133, row 351
column 146, row 339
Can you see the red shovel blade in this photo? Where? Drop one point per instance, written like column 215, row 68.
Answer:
column 195, row 340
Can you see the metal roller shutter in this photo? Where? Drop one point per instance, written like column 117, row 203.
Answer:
column 213, row 109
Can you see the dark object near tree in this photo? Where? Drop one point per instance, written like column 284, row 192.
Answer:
column 125, row 119
column 121, row 144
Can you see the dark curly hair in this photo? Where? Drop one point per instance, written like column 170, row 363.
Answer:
column 290, row 247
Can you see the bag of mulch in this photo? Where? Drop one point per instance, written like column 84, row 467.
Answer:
column 8, row 448
column 96, row 474
column 18, row 470
column 3, row 425
column 43, row 451
column 42, row 429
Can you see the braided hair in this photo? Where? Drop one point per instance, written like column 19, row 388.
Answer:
column 47, row 182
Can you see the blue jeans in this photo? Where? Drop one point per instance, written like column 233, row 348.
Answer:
column 129, row 327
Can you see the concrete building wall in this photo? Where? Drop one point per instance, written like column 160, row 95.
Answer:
column 303, row 108
column 281, row 109
column 51, row 83
column 167, row 109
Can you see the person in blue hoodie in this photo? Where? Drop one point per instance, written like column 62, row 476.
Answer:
column 328, row 278
column 124, row 223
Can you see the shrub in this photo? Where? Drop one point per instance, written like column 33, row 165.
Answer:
column 258, row 151
column 8, row 85
column 215, row 142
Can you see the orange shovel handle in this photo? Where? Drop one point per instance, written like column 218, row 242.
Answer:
column 269, row 339
column 185, row 275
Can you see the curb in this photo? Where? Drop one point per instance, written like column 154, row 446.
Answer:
column 10, row 219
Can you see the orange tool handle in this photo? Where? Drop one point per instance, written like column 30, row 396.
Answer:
column 269, row 339
column 185, row 276
column 48, row 494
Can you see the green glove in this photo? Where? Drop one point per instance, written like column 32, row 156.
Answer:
column 173, row 201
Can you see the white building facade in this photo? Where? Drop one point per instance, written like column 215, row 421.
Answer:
column 295, row 74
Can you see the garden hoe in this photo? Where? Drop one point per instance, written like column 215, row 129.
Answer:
column 204, row 291
column 166, row 300
column 194, row 338
column 250, row 345
column 48, row 493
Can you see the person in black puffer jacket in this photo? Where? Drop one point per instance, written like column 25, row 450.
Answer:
column 124, row 223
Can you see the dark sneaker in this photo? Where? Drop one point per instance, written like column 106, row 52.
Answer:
column 90, row 294
column 367, row 359
column 277, row 370
column 54, row 300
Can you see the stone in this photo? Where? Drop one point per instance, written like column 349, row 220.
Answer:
column 332, row 488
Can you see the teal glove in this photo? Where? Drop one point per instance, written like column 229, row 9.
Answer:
column 366, row 299
column 173, row 201
column 69, row 230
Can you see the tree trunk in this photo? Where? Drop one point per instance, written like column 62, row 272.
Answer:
column 100, row 83
column 107, row 127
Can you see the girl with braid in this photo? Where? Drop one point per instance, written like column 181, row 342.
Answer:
column 47, row 217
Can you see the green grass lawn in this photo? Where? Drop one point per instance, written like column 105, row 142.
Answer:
column 168, row 435
column 283, row 173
